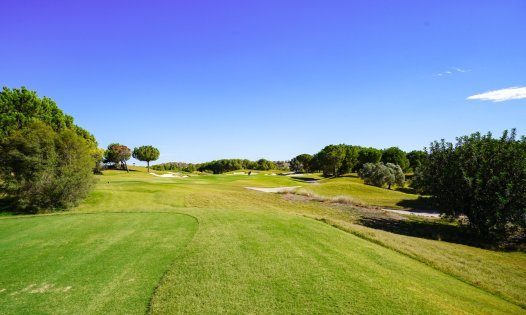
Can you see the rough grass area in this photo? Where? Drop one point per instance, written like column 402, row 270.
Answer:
column 87, row 263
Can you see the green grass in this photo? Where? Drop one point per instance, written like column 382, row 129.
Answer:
column 87, row 263
column 252, row 252
column 376, row 196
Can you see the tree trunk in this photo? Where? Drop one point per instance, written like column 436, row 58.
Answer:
column 148, row 166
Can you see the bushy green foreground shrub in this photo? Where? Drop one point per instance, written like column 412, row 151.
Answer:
column 481, row 177
column 44, row 169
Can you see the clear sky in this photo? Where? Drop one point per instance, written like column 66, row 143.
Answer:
column 204, row 80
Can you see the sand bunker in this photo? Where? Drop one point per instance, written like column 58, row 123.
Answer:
column 417, row 213
column 274, row 189
column 169, row 175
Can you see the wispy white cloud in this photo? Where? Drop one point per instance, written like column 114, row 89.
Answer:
column 511, row 93
column 451, row 71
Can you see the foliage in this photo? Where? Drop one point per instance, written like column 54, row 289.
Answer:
column 301, row 163
column 265, row 165
column 21, row 107
column 396, row 156
column 368, row 155
column 117, row 154
column 43, row 169
column 380, row 175
column 416, row 157
column 146, row 153
column 481, row 177
column 350, row 160
column 331, row 159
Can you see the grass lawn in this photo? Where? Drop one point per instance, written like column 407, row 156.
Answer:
column 87, row 263
column 245, row 252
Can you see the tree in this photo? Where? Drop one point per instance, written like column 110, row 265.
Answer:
column 21, row 107
column 415, row 158
column 331, row 159
column 380, row 175
column 44, row 169
column 146, row 153
column 301, row 163
column 118, row 154
column 265, row 165
column 350, row 160
column 368, row 155
column 481, row 177
column 396, row 156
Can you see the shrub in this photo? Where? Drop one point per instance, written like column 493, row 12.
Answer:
column 481, row 177
column 44, row 169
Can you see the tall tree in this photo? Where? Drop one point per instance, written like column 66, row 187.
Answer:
column 368, row 155
column 301, row 163
column 118, row 154
column 416, row 157
column 331, row 159
column 146, row 153
column 20, row 107
column 396, row 156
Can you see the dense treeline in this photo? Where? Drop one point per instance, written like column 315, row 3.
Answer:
column 46, row 161
column 223, row 166
column 337, row 160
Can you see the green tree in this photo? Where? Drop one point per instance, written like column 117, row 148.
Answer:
column 368, row 155
column 396, row 156
column 21, row 107
column 118, row 154
column 481, row 177
column 265, row 165
column 350, row 160
column 331, row 159
column 301, row 163
column 380, row 175
column 146, row 153
column 44, row 169
column 415, row 158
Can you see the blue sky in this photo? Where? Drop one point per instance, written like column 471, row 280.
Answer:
column 204, row 80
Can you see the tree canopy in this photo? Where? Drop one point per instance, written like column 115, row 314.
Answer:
column 117, row 154
column 21, row 107
column 146, row 153
column 396, row 156
column 380, row 175
column 301, row 163
column 44, row 169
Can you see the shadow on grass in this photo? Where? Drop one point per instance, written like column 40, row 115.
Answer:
column 422, row 203
column 6, row 207
column 309, row 180
column 433, row 230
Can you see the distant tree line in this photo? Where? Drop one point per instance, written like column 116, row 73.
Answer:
column 46, row 161
column 223, row 166
column 340, row 159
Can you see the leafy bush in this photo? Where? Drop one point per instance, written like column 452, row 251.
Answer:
column 481, row 177
column 44, row 169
